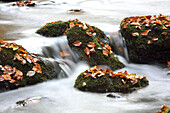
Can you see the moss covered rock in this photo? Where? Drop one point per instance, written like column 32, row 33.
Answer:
column 147, row 38
column 19, row 68
column 97, row 53
column 93, row 50
column 104, row 80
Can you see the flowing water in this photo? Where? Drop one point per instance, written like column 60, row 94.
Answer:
column 19, row 24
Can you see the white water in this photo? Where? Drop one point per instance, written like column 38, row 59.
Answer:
column 20, row 24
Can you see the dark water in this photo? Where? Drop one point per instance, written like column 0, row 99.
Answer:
column 20, row 23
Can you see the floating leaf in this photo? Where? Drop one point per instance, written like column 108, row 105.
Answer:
column 77, row 43
column 91, row 45
column 30, row 73
column 87, row 51
column 71, row 24
column 135, row 34
column 145, row 33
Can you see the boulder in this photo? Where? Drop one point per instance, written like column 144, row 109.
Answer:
column 147, row 38
column 87, row 41
column 20, row 68
column 105, row 80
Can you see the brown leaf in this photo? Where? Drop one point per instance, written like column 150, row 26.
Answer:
column 89, row 33
column 91, row 45
column 30, row 73
column 164, row 33
column 135, row 34
column 90, row 29
column 71, row 24
column 87, row 51
column 145, row 33
column 154, row 38
column 105, row 52
column 77, row 43
column 92, row 50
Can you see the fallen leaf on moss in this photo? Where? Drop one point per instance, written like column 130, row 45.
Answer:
column 30, row 73
column 105, row 52
column 91, row 45
column 163, row 27
column 87, row 51
column 71, row 24
column 145, row 33
column 92, row 50
column 77, row 43
column 135, row 34
column 164, row 33
column 154, row 38
column 149, row 42
column 89, row 33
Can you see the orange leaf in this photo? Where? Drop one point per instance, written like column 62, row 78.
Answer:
column 145, row 33
column 87, row 51
column 12, row 81
column 1, row 41
column 149, row 41
column 77, row 43
column 125, row 26
column 6, row 77
column 23, row 50
column 37, row 68
column 158, row 22
column 91, row 44
column 92, row 50
column 154, row 38
column 164, row 33
column 71, row 24
column 135, row 34
column 105, row 52
column 164, row 108
column 168, row 62
column 107, row 47
column 163, row 27
column 90, row 29
column 88, row 33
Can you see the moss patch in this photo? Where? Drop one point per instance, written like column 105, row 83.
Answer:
column 7, row 58
column 104, row 80
column 97, row 58
column 147, row 38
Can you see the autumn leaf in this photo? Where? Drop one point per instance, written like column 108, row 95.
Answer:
column 71, row 24
column 92, row 50
column 89, row 33
column 158, row 22
column 164, row 33
column 154, row 38
column 149, row 42
column 30, row 73
column 37, row 68
column 84, row 27
column 1, row 79
column 12, row 81
column 135, row 34
column 125, row 26
column 87, row 51
column 23, row 50
column 90, row 29
column 105, row 52
column 91, row 45
column 107, row 46
column 6, row 76
column 77, row 43
column 145, row 33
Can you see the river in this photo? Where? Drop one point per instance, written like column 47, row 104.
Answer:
column 19, row 24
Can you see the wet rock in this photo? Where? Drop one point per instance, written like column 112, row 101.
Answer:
column 147, row 38
column 105, row 80
column 113, row 96
column 94, row 48
column 20, row 68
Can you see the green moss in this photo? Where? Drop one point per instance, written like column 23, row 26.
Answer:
column 140, row 51
column 107, row 84
column 53, row 29
column 6, row 58
column 97, row 58
column 167, row 111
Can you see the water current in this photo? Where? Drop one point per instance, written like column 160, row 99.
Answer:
column 18, row 24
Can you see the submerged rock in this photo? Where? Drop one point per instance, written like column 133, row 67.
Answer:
column 20, row 68
column 88, row 41
column 105, row 80
column 147, row 38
